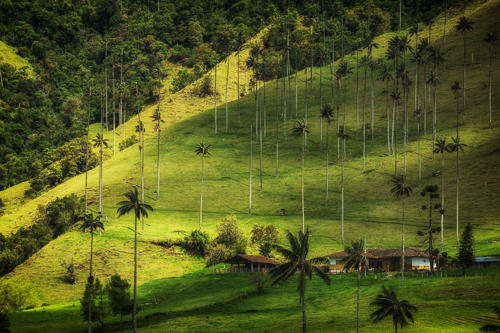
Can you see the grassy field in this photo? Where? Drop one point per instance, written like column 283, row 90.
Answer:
column 8, row 54
column 229, row 303
column 370, row 210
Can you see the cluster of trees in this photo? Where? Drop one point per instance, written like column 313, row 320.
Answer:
column 58, row 217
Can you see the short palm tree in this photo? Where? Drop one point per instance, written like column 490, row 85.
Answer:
column 202, row 150
column 99, row 141
column 464, row 25
column 440, row 147
column 301, row 129
column 357, row 261
column 401, row 189
column 456, row 146
column 327, row 114
column 343, row 136
column 296, row 261
column 388, row 304
column 90, row 223
column 491, row 38
column 140, row 209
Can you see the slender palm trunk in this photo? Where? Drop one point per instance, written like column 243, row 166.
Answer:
column 425, row 99
column 158, row 145
column 106, row 86
column 227, row 82
column 238, row 87
column 215, row 99
column 134, row 313
column 264, row 110
column 91, row 278
column 277, row 128
column 342, row 191
column 326, row 189
column 418, row 148
column 388, row 116
column 302, row 181
column 457, row 174
column 296, row 96
column 260, row 157
column 489, row 88
column 320, row 107
column 431, row 259
column 122, row 116
column 442, row 201
column 445, row 19
column 303, row 300
column 250, row 174
column 372, row 101
column 357, row 304
column 403, row 245
column 464, row 78
column 306, row 100
column 87, row 151
column 364, row 120
column 357, row 88
column 201, row 188
column 114, row 111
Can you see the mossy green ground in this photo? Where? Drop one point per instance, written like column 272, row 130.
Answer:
column 370, row 210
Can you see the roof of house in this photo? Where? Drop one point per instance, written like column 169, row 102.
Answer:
column 487, row 259
column 254, row 259
column 384, row 253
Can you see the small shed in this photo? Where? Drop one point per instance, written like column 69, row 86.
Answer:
column 251, row 263
column 486, row 261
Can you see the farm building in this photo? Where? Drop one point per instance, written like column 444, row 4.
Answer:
column 250, row 263
column 384, row 260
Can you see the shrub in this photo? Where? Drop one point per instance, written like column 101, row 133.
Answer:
column 217, row 254
column 196, row 243
column 118, row 291
column 181, row 80
column 229, row 234
column 93, row 296
column 264, row 237
column 69, row 276
column 261, row 282
column 128, row 142
column 205, row 87
column 17, row 294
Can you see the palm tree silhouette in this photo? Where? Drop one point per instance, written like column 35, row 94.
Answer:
column 140, row 209
column 456, row 146
column 464, row 25
column 490, row 38
column 202, row 150
column 356, row 260
column 388, row 304
column 296, row 261
column 440, row 147
column 401, row 189
column 327, row 114
column 301, row 129
column 91, row 223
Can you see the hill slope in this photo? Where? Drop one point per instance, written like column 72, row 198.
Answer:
column 370, row 210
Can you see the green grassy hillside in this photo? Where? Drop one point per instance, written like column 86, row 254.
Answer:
column 370, row 210
column 8, row 55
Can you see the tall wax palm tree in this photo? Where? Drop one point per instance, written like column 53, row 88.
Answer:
column 365, row 62
column 456, row 146
column 386, row 76
column 414, row 30
column 343, row 136
column 388, row 304
column 301, row 129
column 87, row 148
column 396, row 97
column 99, row 141
column 327, row 114
column 440, row 147
column 356, row 261
column 140, row 209
column 250, row 174
column 372, row 45
column 202, row 150
column 406, row 83
column 464, row 25
column 90, row 223
column 297, row 262
column 139, row 128
column 433, row 81
column 157, row 119
column 401, row 189
column 491, row 38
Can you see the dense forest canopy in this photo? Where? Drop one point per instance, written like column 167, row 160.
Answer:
column 78, row 45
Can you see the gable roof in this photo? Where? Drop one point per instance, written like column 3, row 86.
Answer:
column 384, row 253
column 251, row 259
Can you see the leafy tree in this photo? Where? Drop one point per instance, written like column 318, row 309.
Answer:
column 196, row 243
column 16, row 294
column 466, row 249
column 69, row 276
column 229, row 234
column 296, row 261
column 401, row 189
column 388, row 304
column 265, row 237
column 301, row 129
column 217, row 254
column 202, row 150
column 140, row 209
column 92, row 305
column 118, row 292
column 356, row 260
